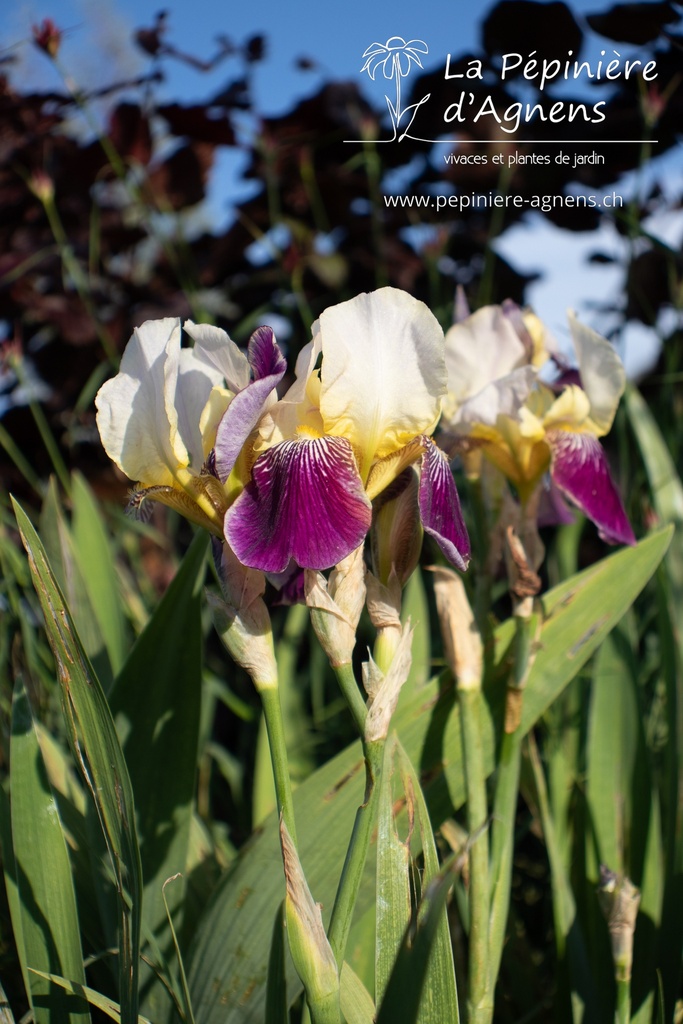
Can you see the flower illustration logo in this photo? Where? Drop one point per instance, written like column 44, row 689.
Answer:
column 396, row 57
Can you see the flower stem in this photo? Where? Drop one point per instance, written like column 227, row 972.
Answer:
column 507, row 788
column 272, row 710
column 480, row 1003
column 349, row 883
column 623, row 1014
column 325, row 1011
column 354, row 698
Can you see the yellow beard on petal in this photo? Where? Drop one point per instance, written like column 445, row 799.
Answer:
column 306, row 431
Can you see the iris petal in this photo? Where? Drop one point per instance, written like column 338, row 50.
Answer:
column 243, row 413
column 383, row 372
column 579, row 468
column 305, row 501
column 603, row 377
column 216, row 347
column 481, row 350
column 440, row 506
column 143, row 413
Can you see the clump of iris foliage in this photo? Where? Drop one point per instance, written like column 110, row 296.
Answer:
column 355, row 715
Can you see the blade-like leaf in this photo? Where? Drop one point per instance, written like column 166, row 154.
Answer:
column 356, row 1002
column 74, row 988
column 415, row 607
column 156, row 703
column 49, row 935
column 393, row 877
column 667, row 497
column 96, row 561
column 184, row 991
column 404, row 991
column 226, row 971
column 440, row 998
column 96, row 747
column 276, row 987
column 568, row 938
column 62, row 554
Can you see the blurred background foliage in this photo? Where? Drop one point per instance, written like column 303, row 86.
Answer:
column 103, row 224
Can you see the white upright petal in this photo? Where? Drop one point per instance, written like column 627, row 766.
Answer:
column 602, row 373
column 480, row 350
column 136, row 413
column 196, row 380
column 216, row 347
column 503, row 397
column 383, row 372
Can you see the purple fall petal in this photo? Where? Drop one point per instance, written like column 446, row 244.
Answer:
column 579, row 468
column 290, row 586
column 265, row 357
column 269, row 367
column 552, row 508
column 305, row 501
column 440, row 506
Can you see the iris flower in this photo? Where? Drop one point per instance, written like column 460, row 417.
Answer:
column 159, row 417
column 527, row 428
column 365, row 402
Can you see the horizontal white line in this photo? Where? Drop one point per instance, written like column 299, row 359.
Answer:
column 516, row 142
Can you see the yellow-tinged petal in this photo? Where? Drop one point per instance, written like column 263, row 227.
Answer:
column 383, row 372
column 518, row 449
column 195, row 382
column 569, row 411
column 136, row 413
column 542, row 343
column 602, row 374
column 299, row 407
column 212, row 414
column 386, row 470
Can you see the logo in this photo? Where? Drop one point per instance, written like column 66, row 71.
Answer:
column 396, row 58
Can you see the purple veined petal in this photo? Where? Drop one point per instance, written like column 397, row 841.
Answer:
column 265, row 357
column 243, row 413
column 579, row 468
column 440, row 506
column 305, row 501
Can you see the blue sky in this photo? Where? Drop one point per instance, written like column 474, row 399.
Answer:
column 97, row 49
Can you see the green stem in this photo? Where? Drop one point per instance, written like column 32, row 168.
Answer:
column 480, row 1004
column 78, row 277
column 51, row 445
column 349, row 883
column 272, row 710
column 326, row 1011
column 623, row 1014
column 502, row 845
column 505, row 799
column 354, row 698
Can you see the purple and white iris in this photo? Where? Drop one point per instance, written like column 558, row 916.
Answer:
column 288, row 481
column 366, row 399
column 525, row 427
